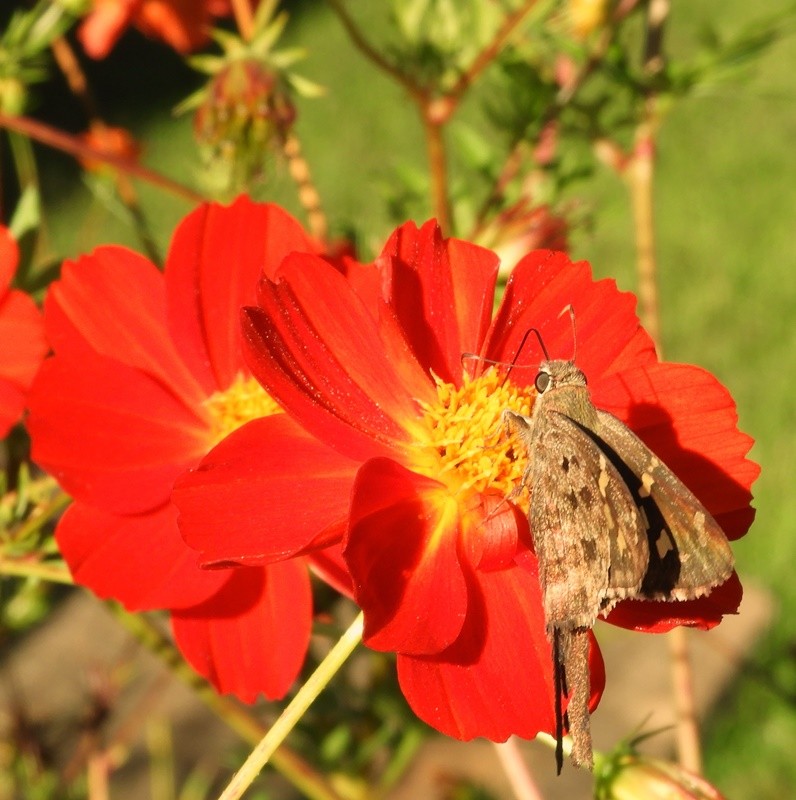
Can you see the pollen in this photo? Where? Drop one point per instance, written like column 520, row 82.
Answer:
column 242, row 401
column 462, row 440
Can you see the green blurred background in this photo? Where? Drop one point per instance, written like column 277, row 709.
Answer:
column 726, row 243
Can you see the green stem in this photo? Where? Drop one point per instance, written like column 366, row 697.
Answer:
column 516, row 770
column 41, row 515
column 306, row 695
column 237, row 718
column 490, row 52
column 53, row 571
column 370, row 52
column 72, row 145
column 438, row 170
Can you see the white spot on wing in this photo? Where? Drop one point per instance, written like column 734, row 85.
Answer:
column 663, row 544
column 646, row 485
column 609, row 517
column 603, row 480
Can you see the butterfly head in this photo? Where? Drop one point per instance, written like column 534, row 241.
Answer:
column 554, row 374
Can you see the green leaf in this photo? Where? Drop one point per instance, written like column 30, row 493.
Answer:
column 27, row 214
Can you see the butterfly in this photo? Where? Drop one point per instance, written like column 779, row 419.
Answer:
column 610, row 521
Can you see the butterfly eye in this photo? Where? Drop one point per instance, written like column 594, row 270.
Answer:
column 542, row 382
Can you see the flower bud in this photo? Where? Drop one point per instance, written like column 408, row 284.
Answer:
column 635, row 777
column 111, row 140
column 244, row 110
column 585, row 16
column 13, row 96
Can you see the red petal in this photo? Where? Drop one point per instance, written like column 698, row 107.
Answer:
column 113, row 303
column 265, row 493
column 401, row 551
column 22, row 337
column 113, row 436
column 364, row 279
column 329, row 565
column 182, row 24
column 609, row 336
column 104, row 25
column 503, row 529
column 323, row 356
column 689, row 421
column 216, row 257
column 442, row 292
column 705, row 613
column 497, row 679
column 12, row 403
column 252, row 636
column 141, row 561
column 9, row 258
column 22, row 334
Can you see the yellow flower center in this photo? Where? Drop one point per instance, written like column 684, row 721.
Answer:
column 463, row 442
column 242, row 401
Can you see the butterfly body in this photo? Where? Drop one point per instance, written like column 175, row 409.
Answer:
column 609, row 522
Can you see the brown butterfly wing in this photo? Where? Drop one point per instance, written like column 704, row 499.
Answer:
column 589, row 535
column 688, row 552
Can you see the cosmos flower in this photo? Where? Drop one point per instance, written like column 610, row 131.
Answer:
column 183, row 24
column 147, row 376
column 22, row 335
column 438, row 543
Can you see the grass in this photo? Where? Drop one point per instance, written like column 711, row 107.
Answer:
column 725, row 195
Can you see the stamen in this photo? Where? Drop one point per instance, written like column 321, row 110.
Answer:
column 463, row 443
column 243, row 401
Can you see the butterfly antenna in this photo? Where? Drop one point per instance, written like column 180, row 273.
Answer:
column 567, row 309
column 524, row 339
column 509, row 364
column 513, row 363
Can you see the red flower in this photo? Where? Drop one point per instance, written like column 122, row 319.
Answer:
column 22, row 335
column 147, row 376
column 108, row 140
column 182, row 24
column 442, row 565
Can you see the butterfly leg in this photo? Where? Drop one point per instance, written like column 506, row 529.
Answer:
column 560, row 682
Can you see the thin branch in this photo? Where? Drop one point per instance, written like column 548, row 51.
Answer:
column 304, row 698
column 620, row 12
column 364, row 47
column 689, row 749
column 516, row 769
column 308, row 194
column 508, row 172
column 42, row 513
column 436, row 111
column 438, row 173
column 67, row 62
column 491, row 51
column 52, row 571
column 236, row 717
column 641, row 177
column 640, row 174
column 78, row 84
column 72, row 145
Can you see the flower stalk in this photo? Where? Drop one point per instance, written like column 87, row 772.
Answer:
column 641, row 177
column 304, row 698
column 288, row 763
column 52, row 137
